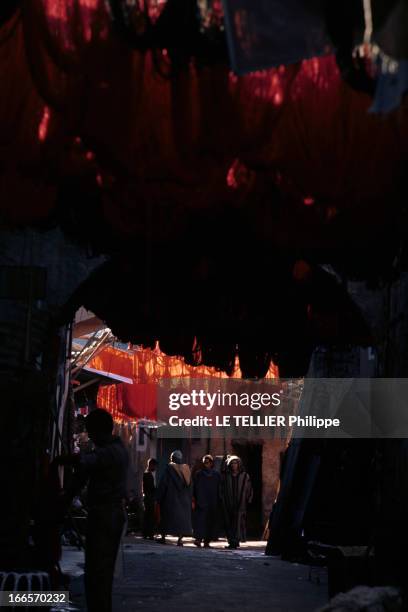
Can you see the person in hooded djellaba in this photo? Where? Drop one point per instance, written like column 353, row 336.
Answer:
column 174, row 495
column 236, row 494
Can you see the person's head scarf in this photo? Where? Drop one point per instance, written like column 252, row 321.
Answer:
column 176, row 457
column 232, row 458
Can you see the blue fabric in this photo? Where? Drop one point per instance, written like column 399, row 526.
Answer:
column 391, row 88
column 267, row 33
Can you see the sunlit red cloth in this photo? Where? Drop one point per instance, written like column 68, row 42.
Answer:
column 146, row 368
column 129, row 402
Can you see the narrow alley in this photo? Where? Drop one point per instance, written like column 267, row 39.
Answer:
column 157, row 577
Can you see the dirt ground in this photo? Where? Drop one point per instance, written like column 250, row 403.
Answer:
column 155, row 577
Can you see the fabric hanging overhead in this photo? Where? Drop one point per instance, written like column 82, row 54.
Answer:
column 146, row 368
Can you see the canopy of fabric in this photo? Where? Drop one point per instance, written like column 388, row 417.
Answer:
column 81, row 106
column 146, row 368
column 197, row 179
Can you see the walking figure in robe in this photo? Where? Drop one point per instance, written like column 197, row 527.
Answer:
column 236, row 493
column 149, row 498
column 206, row 494
column 174, row 496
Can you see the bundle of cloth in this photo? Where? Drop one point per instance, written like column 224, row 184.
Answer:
column 366, row 599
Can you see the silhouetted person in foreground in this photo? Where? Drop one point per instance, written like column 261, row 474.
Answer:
column 206, row 493
column 174, row 497
column 105, row 469
column 149, row 499
column 236, row 493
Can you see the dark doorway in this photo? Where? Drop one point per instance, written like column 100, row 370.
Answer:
column 251, row 457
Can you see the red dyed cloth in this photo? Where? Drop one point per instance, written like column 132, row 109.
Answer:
column 146, row 368
column 76, row 101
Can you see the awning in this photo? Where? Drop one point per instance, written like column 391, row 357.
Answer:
column 88, row 376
